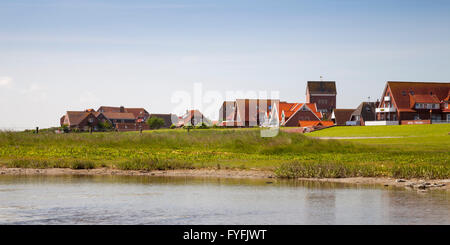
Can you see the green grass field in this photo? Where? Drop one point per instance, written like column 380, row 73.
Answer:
column 425, row 155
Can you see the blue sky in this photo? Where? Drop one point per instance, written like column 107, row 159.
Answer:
column 71, row 55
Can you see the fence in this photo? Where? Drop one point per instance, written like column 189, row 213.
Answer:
column 380, row 123
column 440, row 121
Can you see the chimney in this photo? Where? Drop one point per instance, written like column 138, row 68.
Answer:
column 122, row 109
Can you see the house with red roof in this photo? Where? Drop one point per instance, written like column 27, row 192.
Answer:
column 262, row 112
column 140, row 114
column 193, row 118
column 121, row 118
column 246, row 112
column 291, row 114
column 80, row 120
column 414, row 103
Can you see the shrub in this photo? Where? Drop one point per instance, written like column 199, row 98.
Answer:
column 155, row 122
column 105, row 126
column 82, row 164
column 173, row 126
column 202, row 126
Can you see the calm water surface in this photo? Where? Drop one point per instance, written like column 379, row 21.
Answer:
column 169, row 200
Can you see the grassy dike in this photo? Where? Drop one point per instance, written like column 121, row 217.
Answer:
column 288, row 154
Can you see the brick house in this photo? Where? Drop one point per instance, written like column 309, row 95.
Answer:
column 340, row 117
column 364, row 112
column 260, row 112
column 414, row 103
column 323, row 94
column 140, row 114
column 246, row 112
column 193, row 118
column 117, row 117
column 291, row 114
column 80, row 120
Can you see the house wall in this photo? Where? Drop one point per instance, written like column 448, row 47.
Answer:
column 327, row 103
column 423, row 115
column 85, row 124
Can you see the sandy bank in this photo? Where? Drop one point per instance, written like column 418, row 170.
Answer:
column 226, row 173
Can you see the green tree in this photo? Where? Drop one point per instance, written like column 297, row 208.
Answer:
column 105, row 126
column 155, row 122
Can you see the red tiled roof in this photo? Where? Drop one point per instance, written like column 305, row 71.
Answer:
column 288, row 108
column 76, row 117
column 137, row 112
column 404, row 93
column 424, row 98
column 119, row 115
column 448, row 97
column 291, row 108
column 313, row 108
column 315, row 123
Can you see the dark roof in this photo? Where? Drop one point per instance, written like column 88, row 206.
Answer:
column 321, row 87
column 342, row 115
column 366, row 110
column 405, row 93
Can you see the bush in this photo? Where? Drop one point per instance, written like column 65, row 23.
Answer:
column 82, row 164
column 155, row 122
column 173, row 126
column 202, row 126
column 105, row 126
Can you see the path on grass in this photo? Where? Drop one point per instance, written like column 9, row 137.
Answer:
column 354, row 137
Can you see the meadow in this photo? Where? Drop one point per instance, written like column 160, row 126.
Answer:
column 424, row 153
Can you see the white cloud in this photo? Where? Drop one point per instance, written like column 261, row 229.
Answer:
column 5, row 81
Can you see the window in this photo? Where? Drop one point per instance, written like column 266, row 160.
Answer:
column 436, row 117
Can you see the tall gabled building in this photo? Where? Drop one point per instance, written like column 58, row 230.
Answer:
column 323, row 94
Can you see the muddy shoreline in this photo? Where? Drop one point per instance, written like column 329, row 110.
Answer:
column 231, row 173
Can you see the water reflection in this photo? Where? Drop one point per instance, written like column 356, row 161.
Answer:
column 209, row 200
